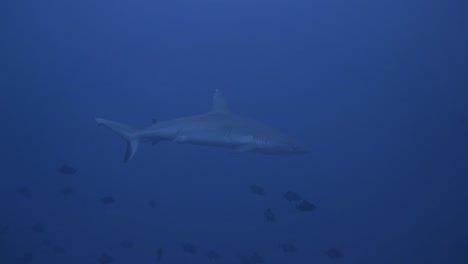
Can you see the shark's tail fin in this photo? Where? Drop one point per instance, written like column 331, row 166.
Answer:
column 127, row 133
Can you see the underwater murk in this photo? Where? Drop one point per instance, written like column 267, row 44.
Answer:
column 233, row 132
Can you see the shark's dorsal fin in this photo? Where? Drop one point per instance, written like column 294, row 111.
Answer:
column 220, row 104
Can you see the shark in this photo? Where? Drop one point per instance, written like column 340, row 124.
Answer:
column 218, row 128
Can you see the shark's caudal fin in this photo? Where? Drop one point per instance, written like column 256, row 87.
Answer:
column 127, row 133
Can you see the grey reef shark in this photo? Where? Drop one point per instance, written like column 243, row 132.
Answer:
column 218, row 128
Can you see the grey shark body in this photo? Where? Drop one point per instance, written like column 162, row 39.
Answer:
column 219, row 128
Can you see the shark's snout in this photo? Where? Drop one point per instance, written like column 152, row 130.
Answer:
column 286, row 146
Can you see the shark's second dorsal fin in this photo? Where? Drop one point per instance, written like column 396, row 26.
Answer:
column 219, row 103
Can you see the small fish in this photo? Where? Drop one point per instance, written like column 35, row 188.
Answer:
column 26, row 259
column 107, row 200
column 105, row 259
column 39, row 228
column 59, row 250
column 288, row 248
column 213, row 255
column 189, row 248
column 306, row 206
column 4, row 230
column 127, row 244
column 269, row 215
column 257, row 190
column 159, row 254
column 253, row 259
column 334, row 253
column 47, row 242
column 246, row 260
column 25, row 192
column 257, row 258
column 67, row 191
column 292, row 196
column 68, row 170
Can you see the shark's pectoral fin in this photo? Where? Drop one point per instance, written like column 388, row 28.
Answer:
column 180, row 138
column 243, row 148
column 154, row 142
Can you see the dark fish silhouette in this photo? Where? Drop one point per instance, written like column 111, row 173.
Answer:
column 59, row 250
column 159, row 254
column 4, row 230
column 213, row 255
column 105, row 259
column 292, row 196
column 257, row 258
column 107, row 200
column 68, row 170
column 306, row 206
column 67, row 191
column 38, row 228
column 334, row 253
column 257, row 190
column 288, row 248
column 189, row 248
column 127, row 244
column 152, row 203
column 246, row 260
column 47, row 242
column 24, row 191
column 253, row 259
column 26, row 259
column 269, row 215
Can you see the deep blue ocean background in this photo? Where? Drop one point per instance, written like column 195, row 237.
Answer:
column 376, row 89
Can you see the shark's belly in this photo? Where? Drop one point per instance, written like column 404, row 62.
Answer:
column 204, row 131
column 205, row 137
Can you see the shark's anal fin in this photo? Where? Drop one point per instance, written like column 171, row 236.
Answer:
column 243, row 148
column 220, row 104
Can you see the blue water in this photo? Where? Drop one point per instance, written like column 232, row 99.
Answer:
column 376, row 89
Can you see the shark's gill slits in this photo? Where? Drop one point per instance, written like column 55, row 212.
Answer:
column 261, row 142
